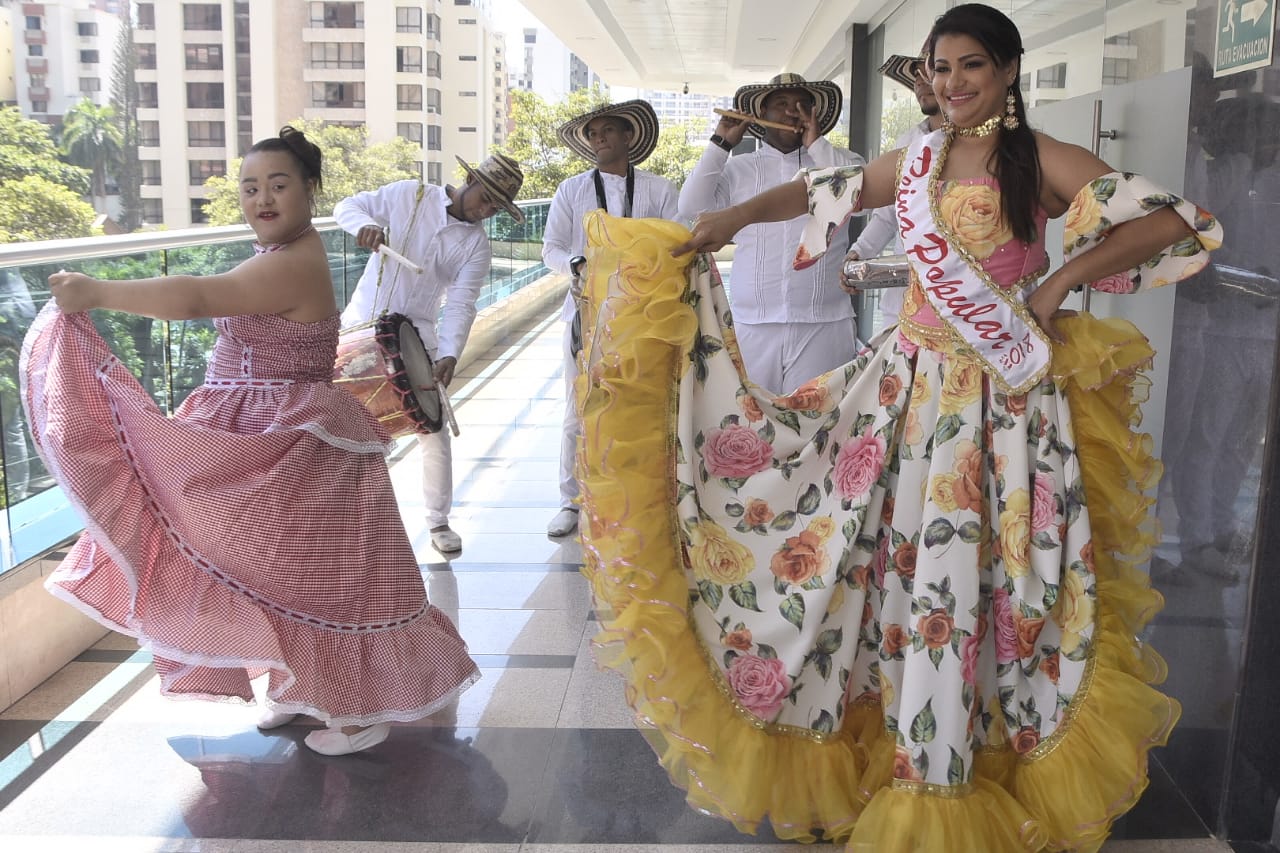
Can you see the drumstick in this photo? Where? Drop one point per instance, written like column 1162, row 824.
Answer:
column 391, row 253
column 447, row 408
column 760, row 121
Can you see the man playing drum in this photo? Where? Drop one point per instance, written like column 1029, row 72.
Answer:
column 440, row 230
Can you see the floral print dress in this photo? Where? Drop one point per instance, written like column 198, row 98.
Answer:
column 883, row 606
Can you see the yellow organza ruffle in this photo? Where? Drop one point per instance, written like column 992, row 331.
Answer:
column 639, row 328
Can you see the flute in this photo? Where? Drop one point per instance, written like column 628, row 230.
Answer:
column 388, row 252
column 760, row 121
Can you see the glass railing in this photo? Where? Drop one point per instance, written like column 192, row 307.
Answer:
column 167, row 357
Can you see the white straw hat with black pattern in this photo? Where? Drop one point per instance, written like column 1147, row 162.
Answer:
column 638, row 114
column 827, row 100
column 502, row 178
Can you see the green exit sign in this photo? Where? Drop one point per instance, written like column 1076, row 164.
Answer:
column 1246, row 31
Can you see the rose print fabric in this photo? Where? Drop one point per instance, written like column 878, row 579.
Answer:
column 897, row 605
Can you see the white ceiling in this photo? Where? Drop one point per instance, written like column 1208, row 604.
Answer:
column 715, row 46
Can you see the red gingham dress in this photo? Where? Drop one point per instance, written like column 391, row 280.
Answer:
column 256, row 531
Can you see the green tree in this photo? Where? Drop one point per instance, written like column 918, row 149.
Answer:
column 534, row 144
column 34, row 208
column 124, row 97
column 676, row 152
column 26, row 148
column 92, row 139
column 351, row 165
column 898, row 116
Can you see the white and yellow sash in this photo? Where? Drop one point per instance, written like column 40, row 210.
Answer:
column 991, row 320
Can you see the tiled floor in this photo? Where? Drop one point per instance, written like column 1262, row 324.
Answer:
column 542, row 755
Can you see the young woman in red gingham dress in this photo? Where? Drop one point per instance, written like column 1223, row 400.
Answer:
column 257, row 531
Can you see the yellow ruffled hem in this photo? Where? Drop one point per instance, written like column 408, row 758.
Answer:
column 1062, row 797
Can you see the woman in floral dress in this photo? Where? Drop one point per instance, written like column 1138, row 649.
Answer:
column 257, row 531
column 899, row 604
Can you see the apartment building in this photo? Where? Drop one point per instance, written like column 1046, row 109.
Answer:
column 549, row 68
column 213, row 76
column 62, row 52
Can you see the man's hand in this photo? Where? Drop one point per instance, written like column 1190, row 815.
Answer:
column 846, row 285
column 371, row 237
column 443, row 371
column 808, row 123
column 711, row 231
column 732, row 130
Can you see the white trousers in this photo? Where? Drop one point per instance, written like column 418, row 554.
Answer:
column 437, row 476
column 783, row 356
column 572, row 429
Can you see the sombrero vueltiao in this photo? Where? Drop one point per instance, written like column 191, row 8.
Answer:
column 827, row 100
column 638, row 114
column 502, row 178
column 902, row 69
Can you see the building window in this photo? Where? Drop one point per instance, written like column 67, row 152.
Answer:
column 148, row 95
column 1115, row 71
column 90, row 84
column 466, row 130
column 89, row 57
column 1024, row 83
column 408, row 97
column 434, row 174
column 152, row 212
column 337, row 54
column 466, row 20
column 410, row 130
column 39, row 106
column 38, row 81
column 338, row 95
column 149, row 133
column 35, row 50
column 86, row 28
column 433, row 138
column 433, row 25
column 1053, row 77
column 409, row 59
column 466, row 94
column 146, row 56
column 150, row 172
column 201, row 16
column 34, row 22
column 408, row 19
column 146, row 16
column 466, row 58
column 206, row 134
column 433, row 101
column 205, row 96
column 198, row 216
column 204, row 57
column 462, row 2
column 433, row 64
column 337, row 16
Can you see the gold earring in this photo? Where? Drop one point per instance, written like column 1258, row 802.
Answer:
column 1010, row 111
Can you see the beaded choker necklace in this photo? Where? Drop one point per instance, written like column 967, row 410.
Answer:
column 987, row 128
column 260, row 248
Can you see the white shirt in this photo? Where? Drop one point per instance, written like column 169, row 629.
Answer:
column 763, row 286
column 883, row 227
column 454, row 256
column 565, row 238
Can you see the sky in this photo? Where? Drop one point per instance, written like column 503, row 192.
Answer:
column 511, row 17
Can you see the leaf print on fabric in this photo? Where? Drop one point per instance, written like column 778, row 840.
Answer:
column 703, row 348
column 761, row 684
column 736, row 452
column 792, row 609
column 924, row 726
column 744, row 595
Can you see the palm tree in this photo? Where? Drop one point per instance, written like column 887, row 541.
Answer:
column 91, row 138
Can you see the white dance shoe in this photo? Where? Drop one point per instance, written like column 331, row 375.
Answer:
column 271, row 719
column 334, row 742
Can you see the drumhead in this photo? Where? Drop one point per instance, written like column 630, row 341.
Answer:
column 417, row 366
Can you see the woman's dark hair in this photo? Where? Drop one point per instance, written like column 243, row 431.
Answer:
column 306, row 152
column 1017, row 165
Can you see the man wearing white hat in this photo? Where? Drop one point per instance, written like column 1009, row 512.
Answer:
column 617, row 138
column 883, row 226
column 441, row 229
column 791, row 325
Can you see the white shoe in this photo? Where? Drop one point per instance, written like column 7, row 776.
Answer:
column 334, row 742
column 564, row 523
column 270, row 719
column 445, row 540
